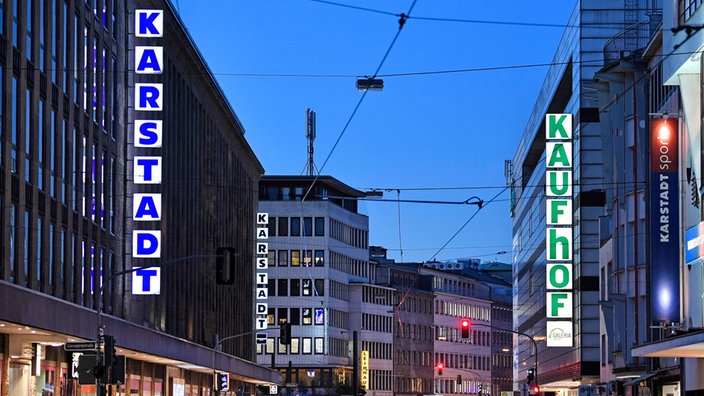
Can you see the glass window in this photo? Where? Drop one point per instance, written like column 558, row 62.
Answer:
column 283, row 226
column 283, row 258
column 282, row 347
column 272, row 287
column 283, row 315
column 319, row 287
column 307, row 345
column 307, row 316
column 295, row 287
column 320, row 226
column 307, row 226
column 272, row 258
column 319, row 346
column 295, row 318
column 307, row 257
column 307, row 287
column 295, row 258
column 283, row 288
column 271, row 316
column 295, row 226
column 272, row 226
column 319, row 258
column 319, row 316
column 295, row 346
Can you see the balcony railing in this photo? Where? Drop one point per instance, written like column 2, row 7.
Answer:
column 626, row 42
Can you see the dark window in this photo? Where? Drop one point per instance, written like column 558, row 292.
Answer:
column 295, row 318
column 295, row 226
column 320, row 226
column 283, row 287
column 272, row 287
column 283, row 258
column 307, row 226
column 272, row 226
column 283, row 226
column 320, row 287
column 295, row 287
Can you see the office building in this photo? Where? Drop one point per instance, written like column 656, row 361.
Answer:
column 119, row 151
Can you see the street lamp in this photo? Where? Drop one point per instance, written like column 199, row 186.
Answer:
column 218, row 343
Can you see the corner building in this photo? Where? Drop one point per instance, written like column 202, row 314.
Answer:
column 67, row 184
column 574, row 366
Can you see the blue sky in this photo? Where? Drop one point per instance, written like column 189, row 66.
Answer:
column 459, row 84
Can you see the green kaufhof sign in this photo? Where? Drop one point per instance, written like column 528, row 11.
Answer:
column 558, row 235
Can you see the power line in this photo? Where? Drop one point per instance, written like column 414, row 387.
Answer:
column 401, row 23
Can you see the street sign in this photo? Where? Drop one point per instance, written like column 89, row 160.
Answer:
column 81, row 346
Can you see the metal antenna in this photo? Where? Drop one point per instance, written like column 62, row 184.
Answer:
column 310, row 135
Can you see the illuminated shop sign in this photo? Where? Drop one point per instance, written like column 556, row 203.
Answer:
column 364, row 370
column 148, row 133
column 664, row 220
column 261, row 266
column 694, row 238
column 558, row 238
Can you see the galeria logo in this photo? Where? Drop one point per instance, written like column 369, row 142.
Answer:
column 559, row 333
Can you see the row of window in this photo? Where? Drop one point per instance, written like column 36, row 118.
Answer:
column 464, row 361
column 299, row 345
column 293, row 226
column 296, row 258
column 296, row 287
column 296, row 316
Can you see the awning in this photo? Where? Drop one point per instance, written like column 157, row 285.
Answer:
column 688, row 345
column 644, row 377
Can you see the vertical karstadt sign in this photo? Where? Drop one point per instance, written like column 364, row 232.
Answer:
column 147, row 128
column 559, row 237
column 262, row 264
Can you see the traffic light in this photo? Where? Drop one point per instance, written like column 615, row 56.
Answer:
column 285, row 334
column 225, row 266
column 480, row 388
column 464, row 327
column 109, row 351
column 535, row 389
column 223, row 381
column 440, row 366
column 531, row 375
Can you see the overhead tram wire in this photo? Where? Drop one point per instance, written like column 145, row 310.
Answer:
column 401, row 23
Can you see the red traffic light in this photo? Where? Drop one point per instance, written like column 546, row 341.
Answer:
column 440, row 366
column 464, row 327
column 464, row 323
column 535, row 389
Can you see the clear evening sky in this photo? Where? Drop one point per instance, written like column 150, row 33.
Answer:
column 460, row 81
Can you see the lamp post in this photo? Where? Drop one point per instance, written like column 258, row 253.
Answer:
column 99, row 307
column 218, row 343
column 535, row 344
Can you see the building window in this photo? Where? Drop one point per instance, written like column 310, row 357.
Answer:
column 283, row 226
column 319, row 226
column 271, row 316
column 319, row 287
column 319, row 346
column 283, row 288
column 295, row 226
column 307, row 257
column 686, row 9
column 307, row 226
column 272, row 226
column 319, row 258
column 319, row 316
column 295, row 287
column 295, row 258
column 307, row 345
column 283, row 315
column 283, row 258
column 295, row 317
column 307, row 316
column 307, row 287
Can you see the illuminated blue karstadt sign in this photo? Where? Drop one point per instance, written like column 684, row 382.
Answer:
column 148, row 133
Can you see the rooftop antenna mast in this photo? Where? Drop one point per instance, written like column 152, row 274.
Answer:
column 310, row 135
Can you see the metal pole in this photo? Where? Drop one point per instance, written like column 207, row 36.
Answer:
column 355, row 365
